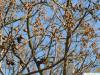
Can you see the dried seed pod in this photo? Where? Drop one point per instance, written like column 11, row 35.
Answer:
column 19, row 38
column 25, row 30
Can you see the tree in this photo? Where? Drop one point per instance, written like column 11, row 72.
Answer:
column 52, row 37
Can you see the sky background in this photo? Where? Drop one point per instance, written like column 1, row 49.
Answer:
column 49, row 13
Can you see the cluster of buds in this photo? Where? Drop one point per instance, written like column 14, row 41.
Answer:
column 9, row 38
column 69, row 19
column 94, row 47
column 12, row 2
column 38, row 28
column 97, row 7
column 84, row 41
column 16, row 30
column 98, row 56
column 89, row 31
column 68, row 15
column 93, row 44
column 28, row 6
column 55, row 34
column 9, row 63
